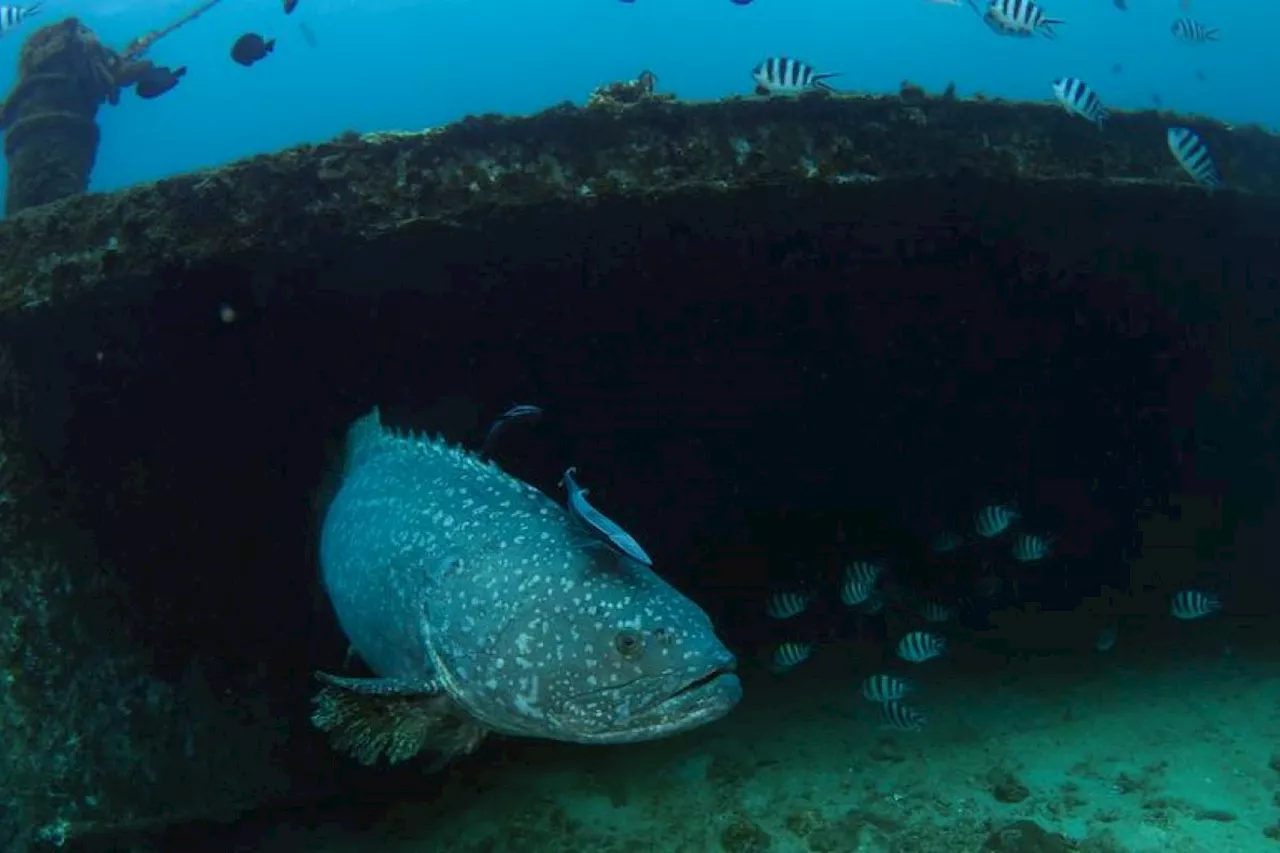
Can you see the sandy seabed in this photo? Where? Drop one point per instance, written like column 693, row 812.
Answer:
column 1169, row 752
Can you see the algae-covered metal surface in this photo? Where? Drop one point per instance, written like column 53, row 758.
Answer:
column 315, row 199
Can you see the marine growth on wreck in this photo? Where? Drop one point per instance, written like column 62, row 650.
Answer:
column 635, row 455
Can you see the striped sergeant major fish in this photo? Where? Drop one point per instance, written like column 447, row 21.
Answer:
column 12, row 16
column 994, row 519
column 790, row 654
column 920, row 646
column 932, row 610
column 945, row 542
column 859, row 582
column 787, row 604
column 1191, row 31
column 874, row 605
column 885, row 688
column 1194, row 604
column 779, row 75
column 1021, row 18
column 1194, row 157
column 902, row 718
column 1078, row 98
column 593, row 518
column 1031, row 547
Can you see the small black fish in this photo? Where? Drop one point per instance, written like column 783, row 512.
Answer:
column 1117, row 68
column 307, row 35
column 157, row 80
column 289, row 6
column 1122, row 5
column 251, row 47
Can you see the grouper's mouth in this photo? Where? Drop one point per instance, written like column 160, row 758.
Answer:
column 705, row 681
column 681, row 706
column 703, row 700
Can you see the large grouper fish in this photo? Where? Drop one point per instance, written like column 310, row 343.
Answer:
column 481, row 606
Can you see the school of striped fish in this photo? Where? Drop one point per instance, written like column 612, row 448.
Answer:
column 787, row 76
column 782, row 75
column 868, row 585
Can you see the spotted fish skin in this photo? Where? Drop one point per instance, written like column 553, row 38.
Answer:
column 455, row 580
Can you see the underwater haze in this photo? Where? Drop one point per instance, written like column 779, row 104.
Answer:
column 767, row 426
column 410, row 64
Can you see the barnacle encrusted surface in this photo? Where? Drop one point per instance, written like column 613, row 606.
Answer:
column 318, row 201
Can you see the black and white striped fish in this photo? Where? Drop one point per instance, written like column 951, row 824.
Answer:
column 1019, row 18
column 1193, row 156
column 790, row 654
column 779, row 75
column 1194, row 604
column 1031, row 547
column 994, row 519
column 874, row 604
column 885, row 688
column 593, row 518
column 1078, row 98
column 12, row 16
column 945, row 542
column 859, row 582
column 787, row 604
column 902, row 718
column 920, row 646
column 1191, row 31
column 932, row 610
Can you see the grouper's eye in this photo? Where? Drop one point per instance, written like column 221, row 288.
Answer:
column 629, row 644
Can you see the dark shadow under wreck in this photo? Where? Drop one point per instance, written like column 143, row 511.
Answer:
column 728, row 305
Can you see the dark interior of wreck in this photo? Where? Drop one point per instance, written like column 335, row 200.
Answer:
column 744, row 384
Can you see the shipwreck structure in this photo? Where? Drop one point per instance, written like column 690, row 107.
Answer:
column 181, row 358
column 49, row 118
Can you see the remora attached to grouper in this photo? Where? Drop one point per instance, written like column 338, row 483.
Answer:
column 481, row 606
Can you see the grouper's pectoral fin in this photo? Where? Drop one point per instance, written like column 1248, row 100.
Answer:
column 370, row 718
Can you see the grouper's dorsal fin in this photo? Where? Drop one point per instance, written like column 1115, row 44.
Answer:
column 369, row 436
column 365, row 437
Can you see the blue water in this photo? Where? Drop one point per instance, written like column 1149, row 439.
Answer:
column 405, row 65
